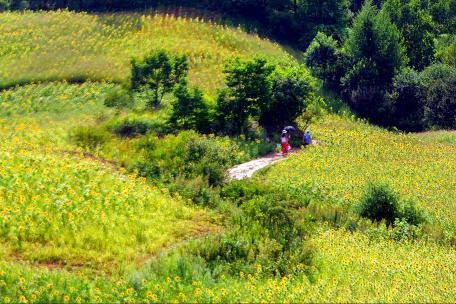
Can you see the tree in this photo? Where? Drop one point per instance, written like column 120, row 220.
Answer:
column 4, row 5
column 407, row 106
column 328, row 16
column 325, row 60
column 291, row 89
column 417, row 28
column 248, row 86
column 448, row 54
column 375, row 50
column 158, row 73
column 443, row 13
column 190, row 111
column 440, row 96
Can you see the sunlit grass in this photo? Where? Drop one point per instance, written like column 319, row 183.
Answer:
column 46, row 46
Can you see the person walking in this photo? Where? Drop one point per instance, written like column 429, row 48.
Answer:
column 284, row 142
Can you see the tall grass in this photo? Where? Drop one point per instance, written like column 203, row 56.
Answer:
column 61, row 45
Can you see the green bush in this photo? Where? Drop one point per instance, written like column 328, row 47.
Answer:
column 407, row 105
column 291, row 91
column 411, row 214
column 196, row 189
column 89, row 136
column 131, row 128
column 244, row 190
column 248, row 87
column 379, row 202
column 118, row 98
column 190, row 110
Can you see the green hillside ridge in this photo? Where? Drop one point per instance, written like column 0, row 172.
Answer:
column 50, row 46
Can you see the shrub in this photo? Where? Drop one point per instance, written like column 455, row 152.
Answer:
column 210, row 158
column 131, row 128
column 118, row 98
column 448, row 54
column 159, row 72
column 379, row 202
column 190, row 110
column 89, row 136
column 244, row 190
column 4, row 5
column 196, row 189
column 411, row 214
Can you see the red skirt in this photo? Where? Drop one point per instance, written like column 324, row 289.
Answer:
column 285, row 147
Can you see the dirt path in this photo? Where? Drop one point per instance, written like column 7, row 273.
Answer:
column 247, row 169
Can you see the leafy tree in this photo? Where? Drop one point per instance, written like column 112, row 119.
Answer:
column 356, row 5
column 158, row 73
column 4, row 5
column 291, row 89
column 325, row 60
column 440, row 96
column 328, row 16
column 248, row 86
column 406, row 101
column 417, row 27
column 190, row 110
column 448, row 54
column 443, row 13
column 374, row 47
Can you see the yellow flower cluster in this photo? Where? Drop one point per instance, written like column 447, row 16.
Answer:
column 351, row 154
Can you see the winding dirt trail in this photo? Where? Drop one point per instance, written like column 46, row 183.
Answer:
column 247, row 169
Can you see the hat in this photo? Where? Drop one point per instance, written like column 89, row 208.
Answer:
column 284, row 132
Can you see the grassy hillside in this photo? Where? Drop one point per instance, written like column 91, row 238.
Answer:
column 77, row 46
column 353, row 153
column 78, row 228
column 64, row 209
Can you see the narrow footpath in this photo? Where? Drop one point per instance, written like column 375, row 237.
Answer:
column 247, row 169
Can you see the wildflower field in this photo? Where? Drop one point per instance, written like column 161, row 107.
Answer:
column 61, row 45
column 77, row 227
column 353, row 153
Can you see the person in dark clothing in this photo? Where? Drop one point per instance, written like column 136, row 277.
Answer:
column 307, row 138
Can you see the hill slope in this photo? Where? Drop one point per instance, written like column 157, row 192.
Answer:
column 74, row 229
column 78, row 46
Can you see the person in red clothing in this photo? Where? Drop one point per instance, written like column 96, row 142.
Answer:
column 284, row 142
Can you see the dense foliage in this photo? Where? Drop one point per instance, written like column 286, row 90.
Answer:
column 380, row 70
column 158, row 73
